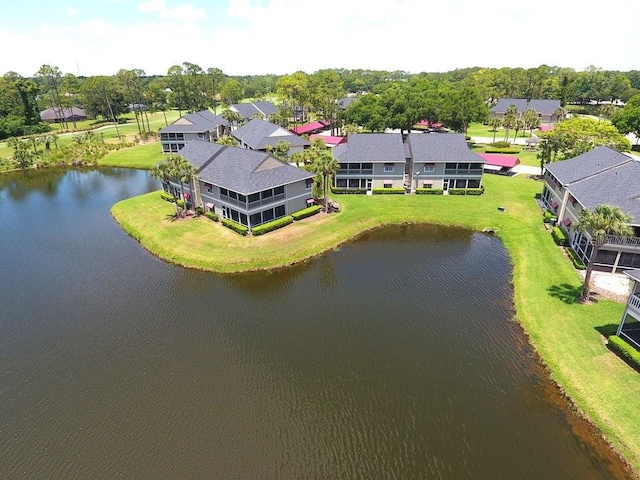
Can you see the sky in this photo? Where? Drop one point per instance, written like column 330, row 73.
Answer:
column 251, row 37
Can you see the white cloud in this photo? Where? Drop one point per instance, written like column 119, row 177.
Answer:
column 185, row 12
column 72, row 12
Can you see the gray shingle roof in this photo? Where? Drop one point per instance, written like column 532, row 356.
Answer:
column 248, row 110
column 618, row 186
column 635, row 274
column 441, row 147
column 542, row 106
column 241, row 170
column 587, row 164
column 371, row 147
column 62, row 113
column 198, row 122
column 258, row 133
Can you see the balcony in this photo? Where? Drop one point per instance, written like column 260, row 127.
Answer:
column 623, row 241
column 634, row 304
column 265, row 201
column 463, row 171
column 362, row 171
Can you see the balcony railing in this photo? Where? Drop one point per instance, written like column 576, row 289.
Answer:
column 619, row 240
column 460, row 171
column 266, row 201
column 362, row 171
column 634, row 303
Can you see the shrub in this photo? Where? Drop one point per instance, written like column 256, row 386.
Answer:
column 199, row 210
column 429, row 191
column 273, row 225
column 167, row 196
column 307, row 212
column 577, row 263
column 559, row 236
column 348, row 190
column 457, row 191
column 212, row 216
column 628, row 353
column 502, row 150
column 389, row 191
column 475, row 191
column 236, row 227
column 180, row 203
column 500, row 145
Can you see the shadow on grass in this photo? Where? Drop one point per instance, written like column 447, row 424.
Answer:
column 567, row 293
column 608, row 329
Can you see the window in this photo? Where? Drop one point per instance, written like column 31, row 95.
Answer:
column 354, row 183
column 267, row 215
column 427, row 185
column 463, row 166
column 233, row 195
column 280, row 211
column 267, row 194
column 388, row 185
column 475, row 166
column 224, row 191
column 208, row 187
column 388, row 167
column 242, row 198
column 278, row 190
column 341, row 182
column 429, row 167
column 367, row 166
column 308, row 183
column 255, row 219
column 234, row 215
column 254, row 197
column 473, row 184
column 243, row 219
column 451, row 166
column 461, row 183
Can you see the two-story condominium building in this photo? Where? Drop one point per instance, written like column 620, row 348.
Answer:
column 548, row 110
column 371, row 160
column 258, row 134
column 243, row 185
column 202, row 125
column 600, row 176
column 424, row 160
column 443, row 160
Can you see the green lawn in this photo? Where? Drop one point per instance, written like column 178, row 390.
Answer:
column 140, row 156
column 564, row 332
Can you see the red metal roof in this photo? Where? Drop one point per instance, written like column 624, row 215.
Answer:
column 307, row 127
column 545, row 128
column 329, row 139
column 500, row 160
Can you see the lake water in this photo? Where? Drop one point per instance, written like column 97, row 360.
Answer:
column 394, row 357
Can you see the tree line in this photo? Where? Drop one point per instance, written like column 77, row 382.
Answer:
column 188, row 87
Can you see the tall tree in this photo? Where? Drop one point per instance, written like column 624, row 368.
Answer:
column 50, row 78
column 231, row 92
column 602, row 221
column 627, row 119
column 326, row 165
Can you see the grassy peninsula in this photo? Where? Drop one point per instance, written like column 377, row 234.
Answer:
column 565, row 333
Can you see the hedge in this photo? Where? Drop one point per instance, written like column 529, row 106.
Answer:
column 474, row 191
column 212, row 216
column 236, row 227
column 575, row 259
column 167, row 196
column 559, row 236
column 628, row 353
column 389, row 191
column 307, row 212
column 348, row 190
column 500, row 145
column 273, row 225
column 429, row 191
column 457, row 191
column 502, row 150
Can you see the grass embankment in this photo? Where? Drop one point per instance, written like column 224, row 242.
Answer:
column 140, row 156
column 564, row 332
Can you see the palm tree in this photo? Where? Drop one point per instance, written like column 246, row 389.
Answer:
column 558, row 113
column 163, row 172
column 234, row 118
column 326, row 165
column 604, row 220
column 518, row 125
column 227, row 140
column 494, row 123
column 508, row 120
column 185, row 173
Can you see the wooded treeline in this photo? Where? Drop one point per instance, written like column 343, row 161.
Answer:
column 463, row 95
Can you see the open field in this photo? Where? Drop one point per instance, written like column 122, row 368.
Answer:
column 565, row 333
column 106, row 131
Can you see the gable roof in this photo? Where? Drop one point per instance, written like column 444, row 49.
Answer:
column 541, row 106
column 197, row 122
column 248, row 110
column 441, row 147
column 238, row 169
column 500, row 160
column 586, row 165
column 618, row 186
column 62, row 113
column 371, row 147
column 308, row 127
column 346, row 101
column 634, row 274
column 258, row 133
column 329, row 139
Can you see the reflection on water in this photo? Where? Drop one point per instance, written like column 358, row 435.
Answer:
column 394, row 357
